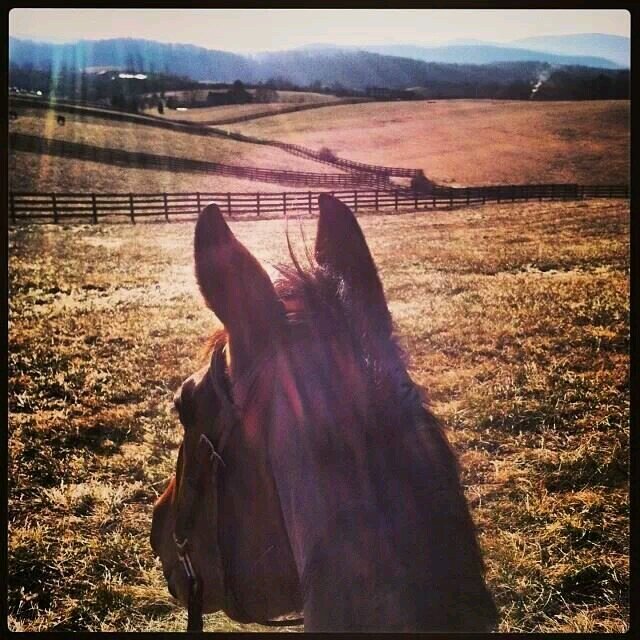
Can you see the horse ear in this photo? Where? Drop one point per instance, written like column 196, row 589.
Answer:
column 341, row 247
column 234, row 285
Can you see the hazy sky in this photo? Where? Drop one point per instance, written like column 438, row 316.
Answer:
column 245, row 30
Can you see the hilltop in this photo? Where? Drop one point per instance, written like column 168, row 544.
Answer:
column 465, row 71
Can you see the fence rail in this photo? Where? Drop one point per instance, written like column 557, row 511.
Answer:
column 195, row 128
column 93, row 207
column 349, row 165
column 122, row 157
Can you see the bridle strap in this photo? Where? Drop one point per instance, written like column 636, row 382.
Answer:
column 206, row 462
column 194, row 609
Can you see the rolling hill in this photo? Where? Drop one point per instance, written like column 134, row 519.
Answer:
column 329, row 66
column 614, row 48
column 488, row 54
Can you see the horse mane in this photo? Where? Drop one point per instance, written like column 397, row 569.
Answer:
column 412, row 471
column 318, row 298
column 213, row 342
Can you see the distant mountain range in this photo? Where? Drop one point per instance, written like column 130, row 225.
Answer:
column 487, row 54
column 617, row 49
column 391, row 66
column 584, row 49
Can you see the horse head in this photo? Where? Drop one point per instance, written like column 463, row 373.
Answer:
column 312, row 476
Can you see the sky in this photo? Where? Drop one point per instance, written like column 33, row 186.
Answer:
column 248, row 30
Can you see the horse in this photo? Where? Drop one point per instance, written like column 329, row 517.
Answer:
column 313, row 479
column 61, row 120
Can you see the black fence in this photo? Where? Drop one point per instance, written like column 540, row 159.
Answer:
column 143, row 160
column 111, row 207
column 184, row 126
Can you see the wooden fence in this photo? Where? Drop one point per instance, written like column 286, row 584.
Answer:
column 93, row 207
column 349, row 165
column 143, row 160
column 185, row 126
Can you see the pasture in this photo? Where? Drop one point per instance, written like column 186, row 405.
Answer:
column 212, row 115
column 469, row 142
column 33, row 172
column 457, row 142
column 516, row 320
column 288, row 97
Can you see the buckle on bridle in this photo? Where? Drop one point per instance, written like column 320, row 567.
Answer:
column 182, row 545
column 185, row 559
column 194, row 604
column 213, row 454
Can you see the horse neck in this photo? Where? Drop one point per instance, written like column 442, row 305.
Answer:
column 382, row 540
column 323, row 476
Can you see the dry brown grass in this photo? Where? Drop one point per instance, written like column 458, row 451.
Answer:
column 516, row 319
column 470, row 141
column 454, row 141
column 44, row 173
column 103, row 132
column 41, row 172
column 305, row 97
column 212, row 115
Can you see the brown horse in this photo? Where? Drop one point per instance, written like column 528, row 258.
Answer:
column 332, row 490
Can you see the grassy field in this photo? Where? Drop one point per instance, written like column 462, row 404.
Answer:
column 289, row 97
column 470, row 141
column 455, row 142
column 305, row 97
column 33, row 172
column 516, row 320
column 134, row 137
column 212, row 115
column 43, row 173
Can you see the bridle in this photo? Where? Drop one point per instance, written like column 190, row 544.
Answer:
column 207, row 462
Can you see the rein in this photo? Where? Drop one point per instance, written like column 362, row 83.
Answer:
column 207, row 462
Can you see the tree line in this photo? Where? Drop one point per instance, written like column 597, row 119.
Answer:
column 513, row 81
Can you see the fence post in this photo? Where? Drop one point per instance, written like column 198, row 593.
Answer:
column 355, row 200
column 95, row 208
column 498, row 194
column 450, row 198
column 415, row 199
column 258, row 203
column 284, row 203
column 377, row 209
column 396, row 193
column 166, row 207
column 55, row 208
column 198, row 201
column 13, row 208
column 434, row 199
column 484, row 196
column 133, row 216
column 309, row 202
